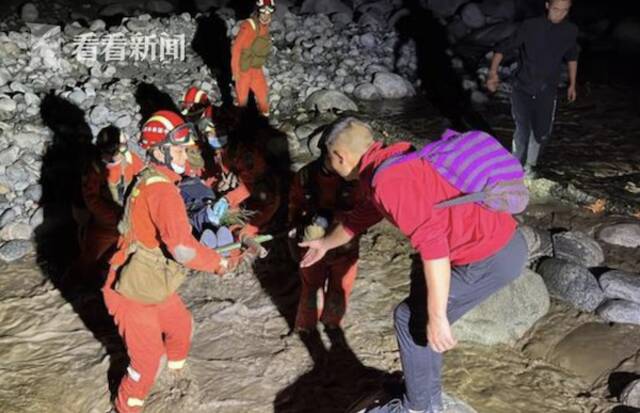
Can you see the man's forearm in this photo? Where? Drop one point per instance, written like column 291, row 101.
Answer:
column 337, row 237
column 572, row 68
column 437, row 274
column 495, row 62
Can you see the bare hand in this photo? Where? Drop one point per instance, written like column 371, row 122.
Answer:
column 316, row 250
column 492, row 82
column 571, row 94
column 439, row 335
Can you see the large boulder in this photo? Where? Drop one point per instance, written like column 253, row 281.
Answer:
column 578, row 247
column 631, row 395
column 506, row 315
column 627, row 34
column 15, row 249
column 497, row 10
column 367, row 91
column 326, row 100
column 392, row 86
column 472, row 16
column 621, row 284
column 620, row 311
column 572, row 283
column 624, row 235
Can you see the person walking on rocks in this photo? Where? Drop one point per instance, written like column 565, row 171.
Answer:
column 154, row 252
column 319, row 199
column 249, row 52
column 543, row 43
column 467, row 251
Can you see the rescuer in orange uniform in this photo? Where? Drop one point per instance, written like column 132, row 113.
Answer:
column 101, row 233
column 154, row 252
column 318, row 199
column 249, row 53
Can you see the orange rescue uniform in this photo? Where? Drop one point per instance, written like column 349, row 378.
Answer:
column 158, row 219
column 313, row 191
column 252, row 78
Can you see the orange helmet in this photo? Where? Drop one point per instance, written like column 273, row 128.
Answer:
column 195, row 102
column 166, row 128
column 268, row 6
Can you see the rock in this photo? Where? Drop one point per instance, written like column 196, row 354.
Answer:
column 367, row 91
column 572, row 283
column 621, row 284
column 497, row 10
column 578, row 247
column 6, row 217
column 620, row 311
column 98, row 25
column 445, row 8
column 391, row 86
column 29, row 13
column 368, row 40
column 7, row 107
column 14, row 250
column 37, row 218
column 341, row 19
column 9, row 155
column 506, row 315
column 457, row 30
column 5, row 76
column 324, row 7
column 472, row 16
column 326, row 100
column 26, row 140
column 113, row 10
column 452, row 404
column 15, row 230
column 624, row 235
column 478, row 97
column 538, row 242
column 99, row 115
column 34, row 192
column 159, row 6
column 77, row 96
column 631, row 395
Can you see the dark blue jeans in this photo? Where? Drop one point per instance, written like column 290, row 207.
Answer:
column 533, row 116
column 470, row 285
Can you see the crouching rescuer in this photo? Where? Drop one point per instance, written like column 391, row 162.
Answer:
column 155, row 251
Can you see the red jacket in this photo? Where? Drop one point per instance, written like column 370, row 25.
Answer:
column 406, row 193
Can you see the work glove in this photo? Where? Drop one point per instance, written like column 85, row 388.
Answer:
column 228, row 182
column 217, row 211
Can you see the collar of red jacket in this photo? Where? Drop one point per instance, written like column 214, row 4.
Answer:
column 377, row 154
column 169, row 173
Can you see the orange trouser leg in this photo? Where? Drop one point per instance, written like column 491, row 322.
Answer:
column 243, row 82
column 141, row 331
column 177, row 326
column 341, row 278
column 313, row 279
column 261, row 91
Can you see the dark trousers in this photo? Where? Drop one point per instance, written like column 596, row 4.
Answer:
column 470, row 285
column 533, row 116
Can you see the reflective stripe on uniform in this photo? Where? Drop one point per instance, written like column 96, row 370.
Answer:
column 176, row 364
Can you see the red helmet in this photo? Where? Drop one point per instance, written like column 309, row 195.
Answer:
column 268, row 6
column 195, row 102
column 166, row 128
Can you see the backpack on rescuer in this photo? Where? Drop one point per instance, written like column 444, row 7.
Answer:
column 477, row 165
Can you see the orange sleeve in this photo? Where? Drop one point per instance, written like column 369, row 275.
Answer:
column 243, row 39
column 168, row 213
column 237, row 195
column 105, row 211
column 296, row 200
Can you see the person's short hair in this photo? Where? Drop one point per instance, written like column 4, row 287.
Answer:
column 334, row 130
column 108, row 140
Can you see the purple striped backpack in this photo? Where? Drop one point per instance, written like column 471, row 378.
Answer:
column 477, row 165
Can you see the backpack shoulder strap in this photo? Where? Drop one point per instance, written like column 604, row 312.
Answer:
column 394, row 160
